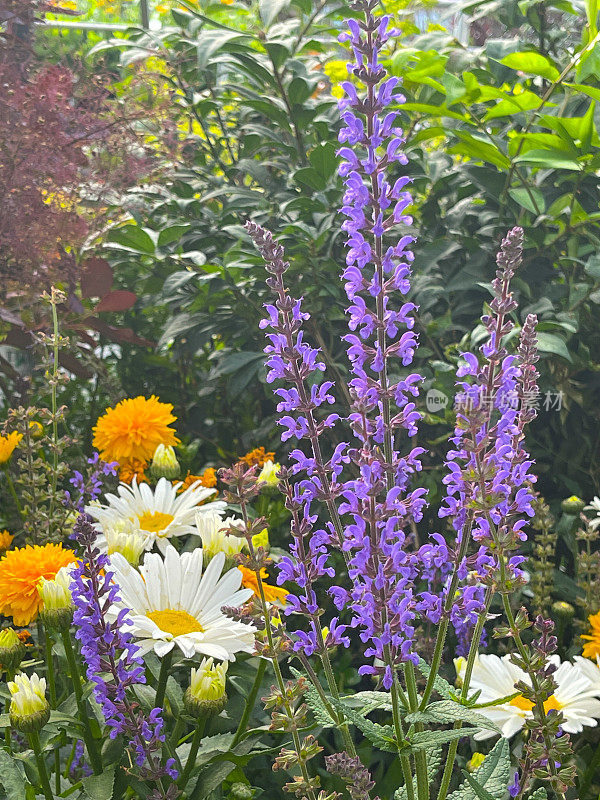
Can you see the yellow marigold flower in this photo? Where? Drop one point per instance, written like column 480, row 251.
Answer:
column 592, row 648
column 20, row 572
column 273, row 594
column 257, row 457
column 134, row 428
column 8, row 444
column 133, row 468
column 207, row 479
column 6, row 539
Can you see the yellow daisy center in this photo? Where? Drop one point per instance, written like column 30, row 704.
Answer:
column 521, row 702
column 154, row 521
column 175, row 622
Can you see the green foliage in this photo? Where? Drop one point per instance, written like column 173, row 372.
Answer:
column 490, row 779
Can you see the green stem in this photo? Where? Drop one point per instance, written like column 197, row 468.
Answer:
column 52, row 692
column 250, row 700
column 88, row 736
column 191, row 759
column 54, row 408
column 34, row 742
column 473, row 650
column 165, row 667
column 420, row 755
column 13, row 493
column 10, row 676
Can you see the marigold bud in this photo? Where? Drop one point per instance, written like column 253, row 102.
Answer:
column 29, row 710
column 164, row 463
column 205, row 696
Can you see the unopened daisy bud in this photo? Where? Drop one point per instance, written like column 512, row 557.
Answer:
column 130, row 545
column 12, row 650
column 205, row 696
column 57, row 602
column 476, row 761
column 268, row 474
column 460, row 665
column 6, row 540
column 212, row 529
column 563, row 610
column 164, row 463
column 29, row 710
column 573, row 505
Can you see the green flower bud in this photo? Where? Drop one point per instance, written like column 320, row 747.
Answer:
column 563, row 610
column 29, row 710
column 241, row 791
column 164, row 463
column 572, row 505
column 205, row 696
column 12, row 650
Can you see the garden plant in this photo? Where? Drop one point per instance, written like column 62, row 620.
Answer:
column 299, row 401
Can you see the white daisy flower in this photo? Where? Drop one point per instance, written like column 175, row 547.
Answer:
column 157, row 514
column 172, row 603
column 594, row 506
column 496, row 677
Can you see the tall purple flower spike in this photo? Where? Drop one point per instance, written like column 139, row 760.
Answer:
column 108, row 651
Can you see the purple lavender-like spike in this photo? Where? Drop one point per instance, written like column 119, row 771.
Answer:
column 89, row 487
column 107, row 650
column 379, row 501
column 488, row 495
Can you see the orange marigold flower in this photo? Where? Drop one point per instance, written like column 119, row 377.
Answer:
column 257, row 457
column 134, row 428
column 8, row 444
column 207, row 479
column 133, row 468
column 6, row 540
column 25, row 637
column 20, row 573
column 273, row 594
column 592, row 648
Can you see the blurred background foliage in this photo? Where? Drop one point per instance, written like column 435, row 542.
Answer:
column 236, row 112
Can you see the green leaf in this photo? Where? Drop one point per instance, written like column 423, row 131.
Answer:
column 532, row 64
column 479, row 790
column 172, row 234
column 429, row 740
column 323, row 159
column 446, row 711
column 381, row 736
column 493, row 775
column 100, row 787
column 592, row 266
column 12, row 777
column 539, row 794
column 269, row 9
column 531, row 198
column 551, row 343
column 550, row 159
column 442, row 687
column 133, row 238
column 474, row 147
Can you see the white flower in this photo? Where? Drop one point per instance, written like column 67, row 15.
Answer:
column 496, row 677
column 173, row 603
column 211, row 529
column 29, row 710
column 157, row 514
column 594, row 506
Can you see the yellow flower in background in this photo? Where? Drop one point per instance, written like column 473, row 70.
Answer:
column 36, row 429
column 261, row 539
column 6, row 539
column 257, row 457
column 273, row 594
column 592, row 648
column 134, row 428
column 21, row 570
column 268, row 474
column 8, row 444
column 133, row 468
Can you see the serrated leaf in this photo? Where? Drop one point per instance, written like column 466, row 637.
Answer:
column 429, row 740
column 100, row 787
column 442, row 687
column 447, row 711
column 369, row 701
column 539, row 794
column 381, row 736
column 12, row 777
column 493, row 775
